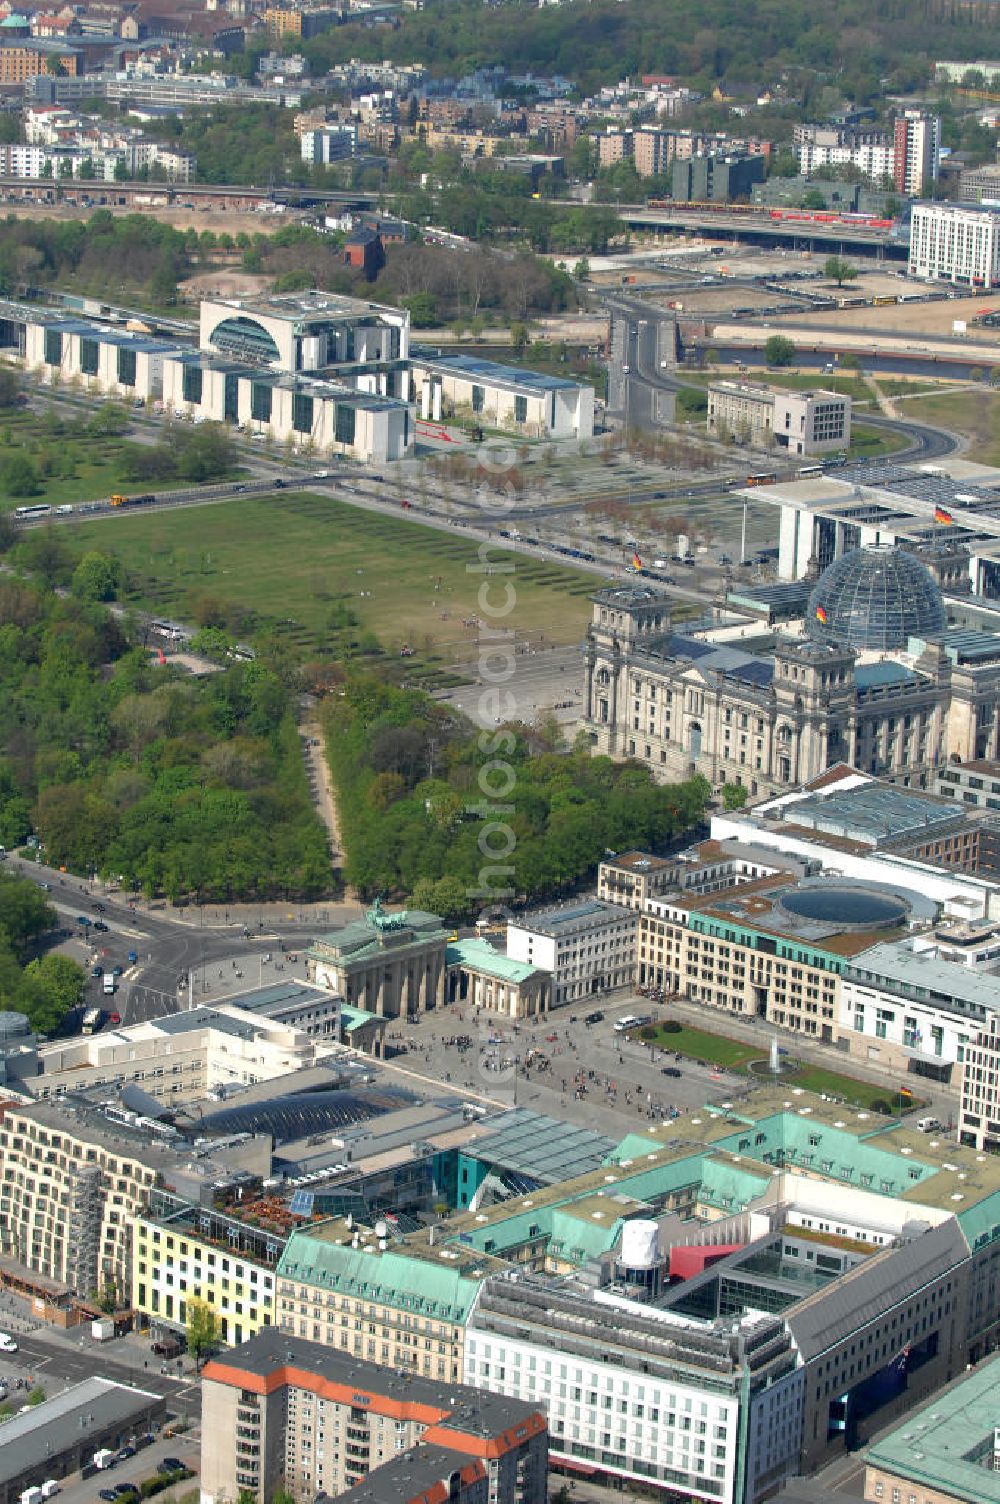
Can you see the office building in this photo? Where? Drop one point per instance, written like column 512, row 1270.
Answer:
column 979, row 1109
column 319, row 416
column 76, row 1177
column 588, row 948
column 281, row 1412
column 329, row 144
column 719, row 178
column 631, row 879
column 957, row 243
column 24, row 59
column 506, row 397
column 226, row 1261
column 946, row 1452
column 54, row 1440
column 800, row 422
column 975, row 783
column 304, row 331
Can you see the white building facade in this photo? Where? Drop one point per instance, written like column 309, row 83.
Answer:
column 957, row 243
column 588, row 947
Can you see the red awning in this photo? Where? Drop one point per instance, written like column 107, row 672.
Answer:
column 573, row 1466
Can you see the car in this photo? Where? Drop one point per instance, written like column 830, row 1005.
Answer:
column 108, row 1494
column 114, row 1018
column 82, row 919
column 173, row 1465
column 101, row 926
column 7, row 1343
column 97, row 971
column 45, row 887
column 124, row 1488
column 99, row 907
column 670, row 1070
column 279, row 485
column 594, row 1018
column 125, row 1452
column 117, row 971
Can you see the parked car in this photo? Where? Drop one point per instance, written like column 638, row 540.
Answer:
column 172, row 1465
column 7, row 1343
column 671, row 1070
column 594, row 1018
column 125, row 1452
column 100, row 926
column 108, row 1494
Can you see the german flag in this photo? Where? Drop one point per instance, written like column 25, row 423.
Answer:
column 821, row 614
column 636, row 562
column 943, row 516
column 904, row 1091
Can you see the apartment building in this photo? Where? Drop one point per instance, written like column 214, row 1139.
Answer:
column 634, row 877
column 281, row 1412
column 21, row 60
column 917, row 152
column 614, row 146
column 958, row 243
column 587, row 947
column 653, row 151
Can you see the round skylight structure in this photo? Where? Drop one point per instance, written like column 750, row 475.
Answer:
column 875, row 598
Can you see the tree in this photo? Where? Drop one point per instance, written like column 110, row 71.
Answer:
column 20, row 477
column 779, row 351
column 202, row 1329
column 97, row 577
column 839, row 270
column 60, row 980
column 734, row 796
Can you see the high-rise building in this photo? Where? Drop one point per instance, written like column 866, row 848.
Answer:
column 917, row 140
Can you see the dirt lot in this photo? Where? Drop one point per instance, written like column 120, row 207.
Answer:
column 215, row 220
column 911, row 318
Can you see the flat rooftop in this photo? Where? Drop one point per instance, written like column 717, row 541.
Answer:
column 923, row 978
column 948, row 1443
column 309, row 306
column 492, row 373
column 55, row 1426
column 872, row 813
column 541, row 1148
column 270, row 1355
column 573, row 918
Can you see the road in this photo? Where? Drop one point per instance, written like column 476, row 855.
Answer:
column 173, row 944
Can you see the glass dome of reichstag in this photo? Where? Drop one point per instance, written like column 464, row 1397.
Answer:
column 874, row 598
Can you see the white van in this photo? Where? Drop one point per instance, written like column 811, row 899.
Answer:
column 930, row 1125
column 628, row 1022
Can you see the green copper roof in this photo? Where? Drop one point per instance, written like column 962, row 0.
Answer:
column 479, row 955
column 391, row 1278
column 948, row 1443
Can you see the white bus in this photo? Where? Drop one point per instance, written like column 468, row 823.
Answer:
column 92, row 1020
column 24, row 514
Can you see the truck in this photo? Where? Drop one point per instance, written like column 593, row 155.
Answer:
column 31, row 1496
column 92, row 1019
column 104, row 1458
column 110, row 983
column 103, row 1329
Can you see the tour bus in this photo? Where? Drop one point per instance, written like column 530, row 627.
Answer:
column 25, row 514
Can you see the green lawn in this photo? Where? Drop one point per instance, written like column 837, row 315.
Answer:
column 796, row 381
column 717, row 1049
column 296, row 558
column 974, row 413
column 736, row 1054
column 869, row 443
